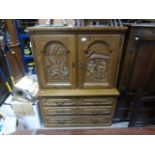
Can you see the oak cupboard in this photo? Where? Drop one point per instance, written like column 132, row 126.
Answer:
column 77, row 69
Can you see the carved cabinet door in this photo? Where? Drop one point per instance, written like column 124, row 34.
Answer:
column 55, row 60
column 98, row 60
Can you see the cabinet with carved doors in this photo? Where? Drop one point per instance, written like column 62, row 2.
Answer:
column 77, row 70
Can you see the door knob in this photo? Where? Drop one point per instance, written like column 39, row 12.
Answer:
column 136, row 38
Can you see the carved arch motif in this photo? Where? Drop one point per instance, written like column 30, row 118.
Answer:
column 97, row 57
column 56, row 54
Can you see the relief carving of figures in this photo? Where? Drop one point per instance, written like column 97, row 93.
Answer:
column 56, row 62
column 96, row 70
column 97, row 63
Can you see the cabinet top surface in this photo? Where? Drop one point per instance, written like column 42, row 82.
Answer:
column 79, row 92
column 67, row 28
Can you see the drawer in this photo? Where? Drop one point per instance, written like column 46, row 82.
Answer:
column 94, row 120
column 96, row 100
column 94, row 110
column 76, row 121
column 59, row 110
column 49, row 101
column 60, row 121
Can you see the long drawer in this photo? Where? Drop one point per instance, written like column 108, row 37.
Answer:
column 73, row 101
column 78, row 110
column 73, row 121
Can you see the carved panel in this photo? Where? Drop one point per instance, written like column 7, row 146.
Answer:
column 96, row 101
column 58, row 101
column 97, row 58
column 55, row 59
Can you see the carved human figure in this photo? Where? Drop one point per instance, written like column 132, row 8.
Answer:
column 102, row 69
column 91, row 68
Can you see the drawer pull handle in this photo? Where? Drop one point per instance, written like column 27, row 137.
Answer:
column 61, row 121
column 95, row 121
column 60, row 103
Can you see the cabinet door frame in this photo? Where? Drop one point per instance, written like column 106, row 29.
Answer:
column 115, row 41
column 38, row 43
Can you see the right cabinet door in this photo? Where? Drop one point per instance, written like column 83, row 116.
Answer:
column 98, row 60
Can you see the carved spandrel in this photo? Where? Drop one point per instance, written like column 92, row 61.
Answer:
column 56, row 55
column 97, row 58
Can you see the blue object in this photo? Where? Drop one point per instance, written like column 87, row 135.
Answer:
column 1, row 126
column 21, row 37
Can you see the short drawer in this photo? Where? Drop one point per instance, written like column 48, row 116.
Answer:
column 60, row 121
column 94, row 110
column 94, row 120
column 96, row 100
column 60, row 110
column 49, row 101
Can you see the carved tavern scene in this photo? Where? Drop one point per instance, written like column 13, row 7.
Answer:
column 97, row 57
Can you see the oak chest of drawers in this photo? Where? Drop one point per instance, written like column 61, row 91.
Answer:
column 77, row 70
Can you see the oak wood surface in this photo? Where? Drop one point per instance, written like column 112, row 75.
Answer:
column 78, row 92
column 52, row 28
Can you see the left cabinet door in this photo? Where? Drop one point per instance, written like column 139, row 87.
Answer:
column 55, row 60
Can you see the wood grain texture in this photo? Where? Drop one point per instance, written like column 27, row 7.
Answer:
column 78, row 92
column 89, row 131
column 98, row 60
column 15, row 60
column 66, row 28
column 73, row 112
column 138, row 65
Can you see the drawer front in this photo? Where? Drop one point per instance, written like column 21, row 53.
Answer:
column 95, row 110
column 94, row 120
column 58, row 101
column 96, row 100
column 60, row 121
column 76, row 121
column 60, row 110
